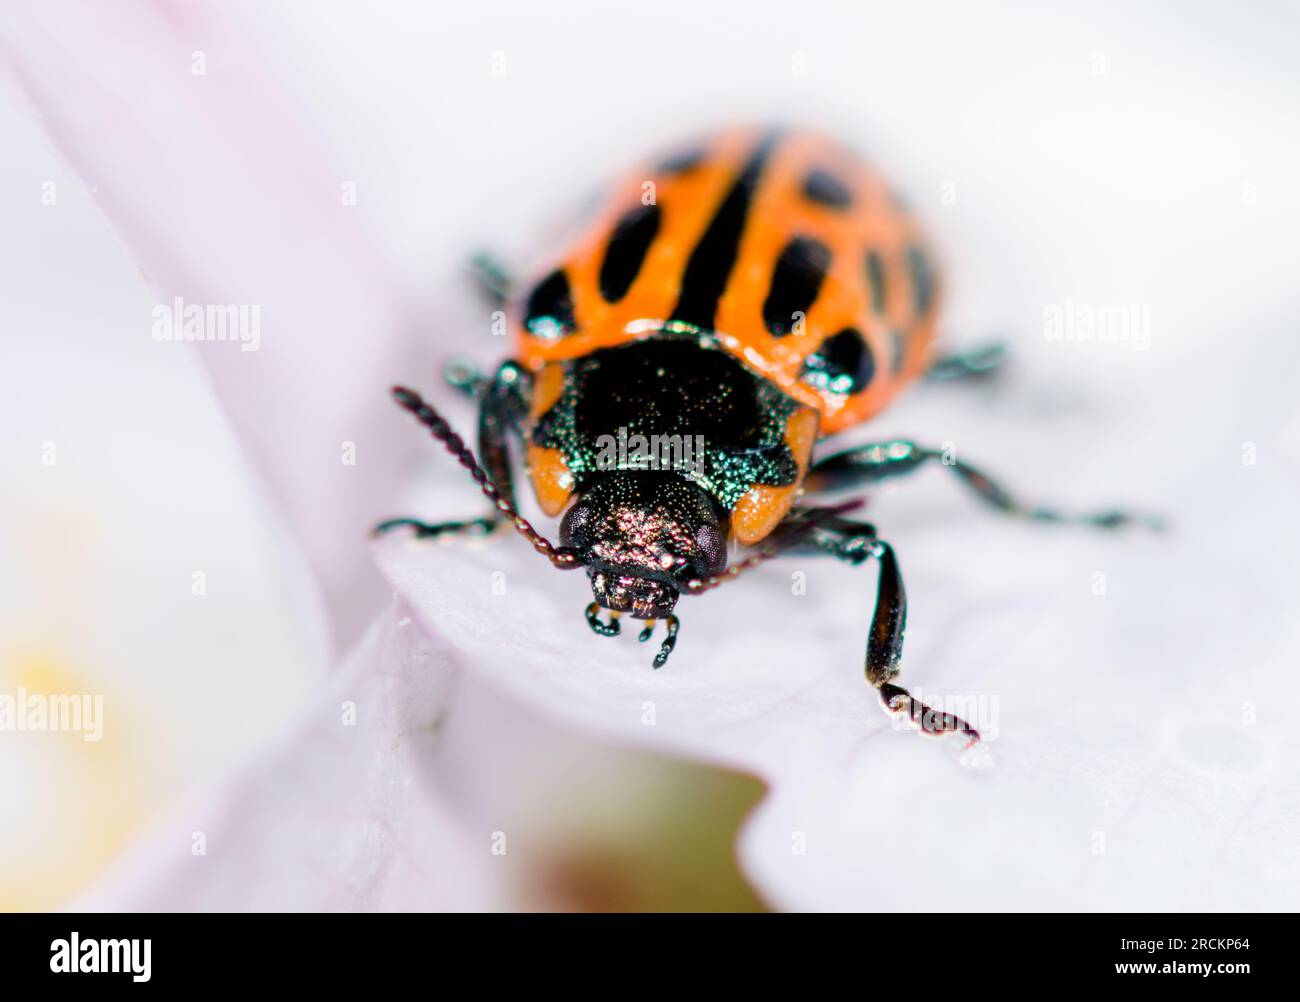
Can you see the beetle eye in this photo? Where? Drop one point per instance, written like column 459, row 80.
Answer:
column 575, row 527
column 712, row 550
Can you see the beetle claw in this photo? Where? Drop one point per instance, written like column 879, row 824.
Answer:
column 927, row 720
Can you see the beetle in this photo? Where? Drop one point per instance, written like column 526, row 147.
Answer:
column 754, row 293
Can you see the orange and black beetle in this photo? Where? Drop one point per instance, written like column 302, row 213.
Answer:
column 736, row 302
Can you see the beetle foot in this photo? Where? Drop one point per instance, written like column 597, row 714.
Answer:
column 929, row 721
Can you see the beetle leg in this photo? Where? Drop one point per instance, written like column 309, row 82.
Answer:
column 882, row 460
column 492, row 279
column 855, row 542
column 493, row 283
column 461, row 374
column 885, row 650
column 974, row 363
column 429, row 530
column 500, row 414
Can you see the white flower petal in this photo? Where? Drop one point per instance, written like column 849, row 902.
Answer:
column 183, row 126
column 341, row 813
column 139, row 562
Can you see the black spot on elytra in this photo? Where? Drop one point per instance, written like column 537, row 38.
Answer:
column 876, row 280
column 918, row 267
column 680, row 163
column 824, row 188
column 628, row 246
column 843, row 364
column 796, row 280
column 549, row 309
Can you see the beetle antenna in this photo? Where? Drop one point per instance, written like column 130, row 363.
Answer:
column 562, row 557
column 793, row 532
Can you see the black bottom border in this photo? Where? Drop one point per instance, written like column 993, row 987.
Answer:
column 916, row 952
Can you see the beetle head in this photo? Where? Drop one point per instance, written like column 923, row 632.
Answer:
column 644, row 536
